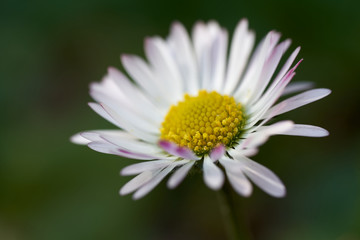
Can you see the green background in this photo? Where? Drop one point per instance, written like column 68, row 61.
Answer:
column 51, row 189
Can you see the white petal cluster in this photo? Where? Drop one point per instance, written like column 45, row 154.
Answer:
column 182, row 64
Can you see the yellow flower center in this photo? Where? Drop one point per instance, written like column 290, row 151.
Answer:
column 202, row 122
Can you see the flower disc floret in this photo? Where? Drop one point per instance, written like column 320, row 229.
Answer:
column 204, row 121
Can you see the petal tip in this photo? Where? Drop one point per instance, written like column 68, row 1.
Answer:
column 244, row 21
column 176, row 24
column 172, row 184
column 123, row 191
column 137, row 196
column 281, row 194
column 111, row 69
column 327, row 91
column 125, row 57
column 79, row 139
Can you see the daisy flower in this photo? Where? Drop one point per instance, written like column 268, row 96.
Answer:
column 197, row 104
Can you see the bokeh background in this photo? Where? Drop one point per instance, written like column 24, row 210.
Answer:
column 51, row 189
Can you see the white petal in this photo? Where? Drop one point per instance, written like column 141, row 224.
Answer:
column 204, row 37
column 101, row 111
column 120, row 105
column 108, row 148
column 268, row 69
column 256, row 139
column 145, row 189
column 260, row 109
column 241, row 46
column 304, row 98
column 108, row 88
column 179, row 175
column 129, row 115
column 249, row 152
column 213, row 176
column 287, row 65
column 136, row 98
column 130, row 126
column 246, row 89
column 137, row 182
column 275, row 128
column 273, row 92
column 165, row 69
column 256, row 118
column 95, row 135
column 139, row 70
column 306, row 131
column 297, row 87
column 218, row 60
column 240, row 183
column 236, row 177
column 144, row 166
column 252, row 121
column 148, row 166
column 132, row 144
column 262, row 177
column 200, row 40
column 103, row 147
column 181, row 48
column 131, row 149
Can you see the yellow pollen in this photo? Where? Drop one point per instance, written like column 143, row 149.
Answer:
column 204, row 121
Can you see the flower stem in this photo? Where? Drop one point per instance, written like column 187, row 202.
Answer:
column 236, row 228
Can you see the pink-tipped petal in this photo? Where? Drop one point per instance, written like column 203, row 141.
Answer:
column 176, row 150
column 186, row 153
column 168, row 146
column 217, row 152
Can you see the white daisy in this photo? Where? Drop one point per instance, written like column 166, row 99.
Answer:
column 193, row 105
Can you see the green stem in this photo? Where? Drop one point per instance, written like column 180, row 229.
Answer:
column 236, row 228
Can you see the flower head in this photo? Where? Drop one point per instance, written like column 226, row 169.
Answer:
column 192, row 104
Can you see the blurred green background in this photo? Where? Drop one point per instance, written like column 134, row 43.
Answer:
column 52, row 189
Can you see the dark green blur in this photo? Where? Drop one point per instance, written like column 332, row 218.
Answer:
column 51, row 189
